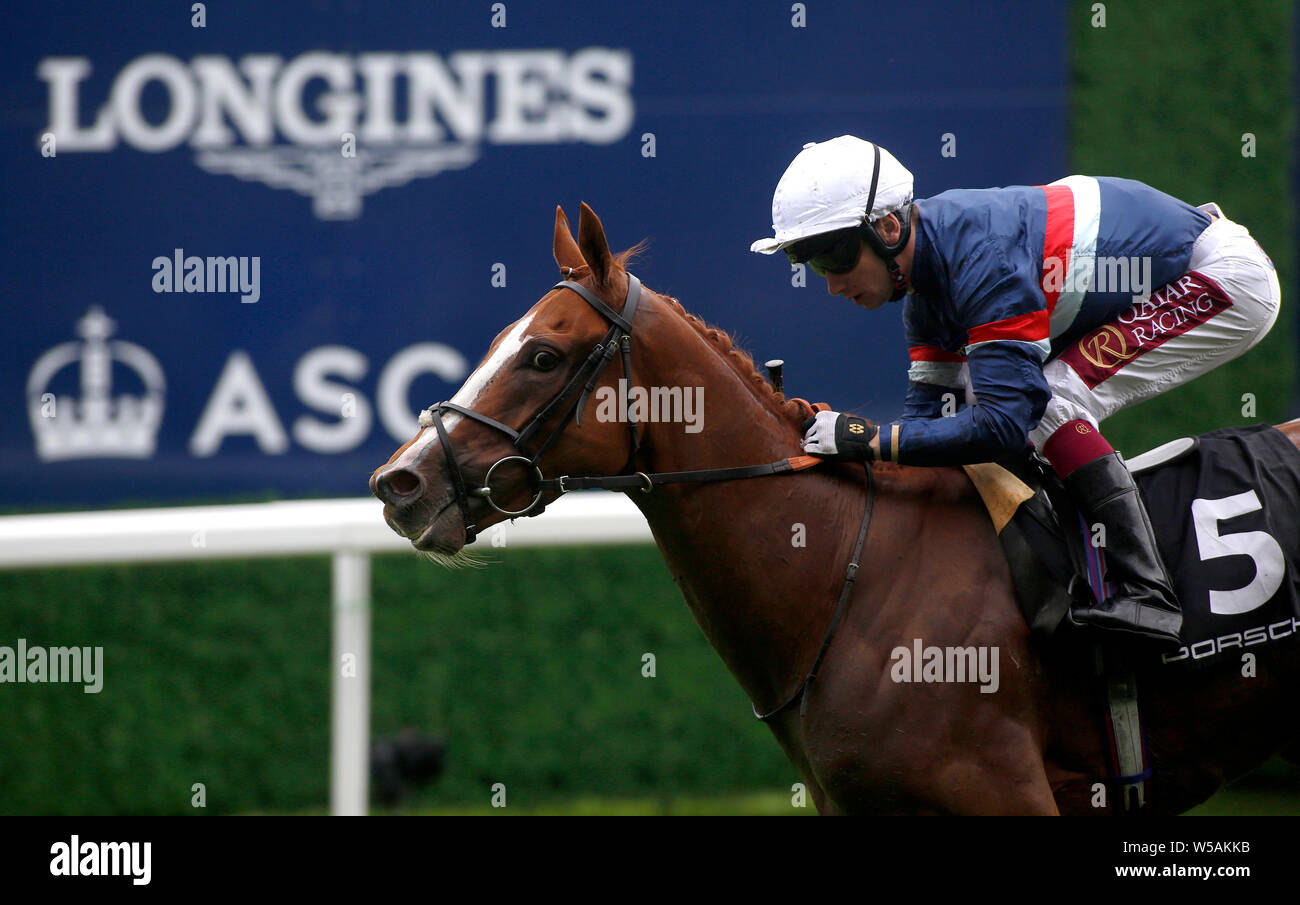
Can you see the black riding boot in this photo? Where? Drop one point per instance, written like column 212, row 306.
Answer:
column 1144, row 601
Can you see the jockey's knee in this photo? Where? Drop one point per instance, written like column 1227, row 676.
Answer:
column 1070, row 401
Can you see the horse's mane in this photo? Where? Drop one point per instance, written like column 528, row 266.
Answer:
column 741, row 362
column 736, row 358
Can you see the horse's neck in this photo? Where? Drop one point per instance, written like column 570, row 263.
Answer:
column 759, row 561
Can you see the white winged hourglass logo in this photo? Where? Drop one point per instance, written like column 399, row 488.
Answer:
column 96, row 425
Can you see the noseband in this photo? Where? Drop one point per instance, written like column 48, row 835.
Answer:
column 618, row 338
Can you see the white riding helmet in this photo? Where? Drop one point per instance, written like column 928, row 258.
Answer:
column 828, row 187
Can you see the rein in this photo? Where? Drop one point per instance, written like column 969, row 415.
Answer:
column 619, row 338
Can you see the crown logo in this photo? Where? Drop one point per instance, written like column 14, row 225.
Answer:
column 97, row 425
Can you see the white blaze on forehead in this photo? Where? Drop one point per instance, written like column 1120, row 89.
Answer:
column 482, row 378
column 474, row 388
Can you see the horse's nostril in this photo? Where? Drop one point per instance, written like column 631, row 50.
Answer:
column 399, row 483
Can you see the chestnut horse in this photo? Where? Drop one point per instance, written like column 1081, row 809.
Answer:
column 932, row 569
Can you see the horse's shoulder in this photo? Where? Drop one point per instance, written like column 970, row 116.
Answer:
column 940, row 485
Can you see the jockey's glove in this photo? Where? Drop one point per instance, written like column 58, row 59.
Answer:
column 835, row 435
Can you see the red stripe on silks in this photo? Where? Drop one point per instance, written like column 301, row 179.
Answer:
column 933, row 353
column 1029, row 328
column 1057, row 242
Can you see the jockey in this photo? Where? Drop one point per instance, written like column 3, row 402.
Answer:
column 1032, row 314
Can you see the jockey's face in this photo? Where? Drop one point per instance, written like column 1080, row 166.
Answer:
column 868, row 284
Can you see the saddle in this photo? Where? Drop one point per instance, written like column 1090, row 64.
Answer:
column 1054, row 564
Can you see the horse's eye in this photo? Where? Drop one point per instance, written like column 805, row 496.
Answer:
column 545, row 360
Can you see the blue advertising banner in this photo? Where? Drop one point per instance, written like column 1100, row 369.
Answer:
column 244, row 243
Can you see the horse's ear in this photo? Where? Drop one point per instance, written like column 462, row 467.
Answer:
column 592, row 244
column 567, row 255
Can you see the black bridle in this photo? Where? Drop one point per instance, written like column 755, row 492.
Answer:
column 619, row 338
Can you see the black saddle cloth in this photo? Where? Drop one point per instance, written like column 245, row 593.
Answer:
column 1226, row 512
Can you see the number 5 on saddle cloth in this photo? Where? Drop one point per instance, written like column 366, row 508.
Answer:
column 1226, row 511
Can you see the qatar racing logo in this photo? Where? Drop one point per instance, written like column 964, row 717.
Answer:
column 1171, row 311
column 337, row 127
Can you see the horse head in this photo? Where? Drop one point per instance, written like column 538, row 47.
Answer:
column 531, row 384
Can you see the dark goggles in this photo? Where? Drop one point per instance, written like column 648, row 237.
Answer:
column 833, row 252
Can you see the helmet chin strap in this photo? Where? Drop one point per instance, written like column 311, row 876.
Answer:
column 888, row 252
column 884, row 251
column 900, row 281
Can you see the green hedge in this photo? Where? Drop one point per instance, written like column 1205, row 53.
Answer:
column 214, row 673
column 218, row 672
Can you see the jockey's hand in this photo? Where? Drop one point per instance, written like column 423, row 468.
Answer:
column 834, row 435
